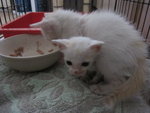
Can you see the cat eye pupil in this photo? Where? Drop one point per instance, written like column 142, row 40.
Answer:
column 85, row 64
column 69, row 62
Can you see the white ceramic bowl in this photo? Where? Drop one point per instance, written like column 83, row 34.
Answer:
column 31, row 59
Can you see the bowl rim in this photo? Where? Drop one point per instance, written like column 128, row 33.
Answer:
column 25, row 57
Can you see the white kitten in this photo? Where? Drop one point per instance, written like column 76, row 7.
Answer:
column 82, row 54
column 60, row 24
column 111, row 46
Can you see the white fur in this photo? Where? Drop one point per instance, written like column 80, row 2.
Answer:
column 118, row 56
column 76, row 54
column 123, row 45
column 68, row 22
column 122, row 42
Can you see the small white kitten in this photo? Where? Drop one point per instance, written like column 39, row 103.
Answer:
column 60, row 24
column 103, row 42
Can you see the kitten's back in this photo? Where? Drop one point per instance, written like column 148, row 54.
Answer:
column 123, row 53
column 123, row 44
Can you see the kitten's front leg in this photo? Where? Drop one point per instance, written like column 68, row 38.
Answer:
column 95, row 77
column 92, row 78
column 104, row 88
column 100, row 89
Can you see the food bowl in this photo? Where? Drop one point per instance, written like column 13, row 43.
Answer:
column 28, row 53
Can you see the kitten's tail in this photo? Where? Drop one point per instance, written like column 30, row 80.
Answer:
column 129, row 88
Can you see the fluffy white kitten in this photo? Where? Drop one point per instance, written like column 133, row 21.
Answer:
column 103, row 42
column 60, row 24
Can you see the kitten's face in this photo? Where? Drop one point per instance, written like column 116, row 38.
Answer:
column 79, row 54
column 78, row 61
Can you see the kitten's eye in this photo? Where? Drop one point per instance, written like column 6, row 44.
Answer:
column 85, row 64
column 69, row 62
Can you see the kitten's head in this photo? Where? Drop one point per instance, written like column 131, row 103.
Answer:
column 50, row 26
column 79, row 53
column 54, row 24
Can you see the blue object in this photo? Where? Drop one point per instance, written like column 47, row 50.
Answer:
column 23, row 5
column 41, row 5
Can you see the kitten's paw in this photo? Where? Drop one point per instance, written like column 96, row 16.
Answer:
column 94, row 81
column 95, row 89
column 107, row 105
column 98, row 90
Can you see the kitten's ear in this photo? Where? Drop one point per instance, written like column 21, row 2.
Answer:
column 61, row 43
column 96, row 45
